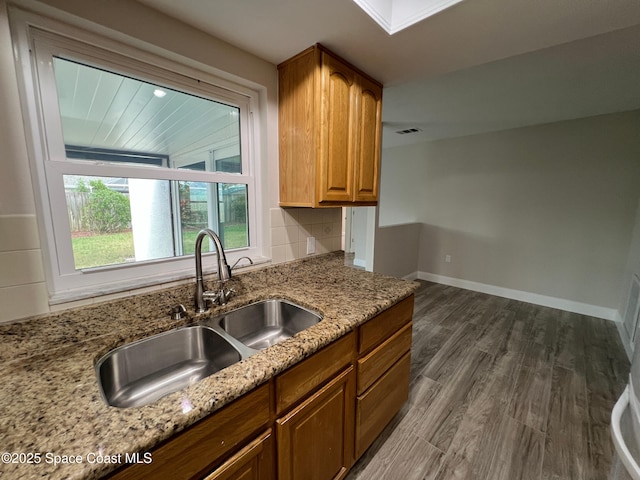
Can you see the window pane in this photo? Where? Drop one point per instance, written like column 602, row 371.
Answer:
column 122, row 220
column 195, row 213
column 118, row 220
column 232, row 205
column 198, row 211
column 110, row 117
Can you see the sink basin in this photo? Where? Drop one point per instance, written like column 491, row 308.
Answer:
column 144, row 371
column 262, row 324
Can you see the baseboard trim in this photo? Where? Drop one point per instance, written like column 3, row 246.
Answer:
column 537, row 299
column 411, row 276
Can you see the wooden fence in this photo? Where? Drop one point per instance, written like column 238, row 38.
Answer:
column 75, row 207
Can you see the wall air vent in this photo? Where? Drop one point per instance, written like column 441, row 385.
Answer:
column 408, row 130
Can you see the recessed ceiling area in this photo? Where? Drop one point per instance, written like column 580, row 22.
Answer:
column 396, row 15
column 480, row 66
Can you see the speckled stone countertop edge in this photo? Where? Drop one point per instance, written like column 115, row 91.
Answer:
column 71, row 414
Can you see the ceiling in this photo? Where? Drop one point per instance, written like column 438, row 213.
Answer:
column 103, row 111
column 480, row 66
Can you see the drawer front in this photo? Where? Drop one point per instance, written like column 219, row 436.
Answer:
column 380, row 359
column 195, row 451
column 382, row 326
column 301, row 379
column 376, row 408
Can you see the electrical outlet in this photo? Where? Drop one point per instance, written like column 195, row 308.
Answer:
column 311, row 245
column 447, row 258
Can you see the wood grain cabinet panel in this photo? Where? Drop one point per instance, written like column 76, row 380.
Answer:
column 195, row 452
column 301, row 379
column 383, row 367
column 376, row 408
column 253, row 462
column 315, row 440
column 383, row 325
column 379, row 360
column 330, row 124
column 338, row 132
column 367, row 172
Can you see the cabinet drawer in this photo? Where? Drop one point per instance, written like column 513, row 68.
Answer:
column 380, row 403
column 382, row 326
column 301, row 379
column 196, row 451
column 383, row 357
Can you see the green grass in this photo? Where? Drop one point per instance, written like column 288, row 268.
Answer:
column 106, row 249
column 115, row 248
column 235, row 236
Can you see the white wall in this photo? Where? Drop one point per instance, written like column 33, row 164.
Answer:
column 396, row 250
column 547, row 209
column 402, row 176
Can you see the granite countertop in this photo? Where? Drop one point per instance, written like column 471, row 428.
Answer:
column 50, row 403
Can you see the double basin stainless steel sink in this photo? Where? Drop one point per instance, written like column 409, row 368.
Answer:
column 144, row 371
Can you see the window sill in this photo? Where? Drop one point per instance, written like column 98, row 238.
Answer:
column 100, row 293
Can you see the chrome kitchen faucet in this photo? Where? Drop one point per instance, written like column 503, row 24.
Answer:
column 224, row 273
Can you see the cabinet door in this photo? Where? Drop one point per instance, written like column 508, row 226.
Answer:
column 253, row 462
column 337, row 131
column 297, row 118
column 367, row 165
column 315, row 440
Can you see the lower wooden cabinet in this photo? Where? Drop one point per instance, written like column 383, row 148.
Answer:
column 315, row 439
column 253, row 462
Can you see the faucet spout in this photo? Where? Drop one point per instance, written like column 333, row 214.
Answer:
column 224, row 272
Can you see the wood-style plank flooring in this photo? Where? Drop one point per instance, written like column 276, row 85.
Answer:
column 502, row 390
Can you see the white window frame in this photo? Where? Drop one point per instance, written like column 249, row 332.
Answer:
column 36, row 40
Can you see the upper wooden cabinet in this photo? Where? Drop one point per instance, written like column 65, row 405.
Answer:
column 330, row 120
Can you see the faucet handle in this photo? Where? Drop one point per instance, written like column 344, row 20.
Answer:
column 225, row 295
column 220, row 297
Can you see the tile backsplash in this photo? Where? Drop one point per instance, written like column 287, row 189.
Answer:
column 290, row 228
column 23, row 291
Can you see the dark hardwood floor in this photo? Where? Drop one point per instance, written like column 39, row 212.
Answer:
column 502, row 390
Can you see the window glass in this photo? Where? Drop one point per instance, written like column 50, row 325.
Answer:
column 110, row 117
column 197, row 211
column 123, row 220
